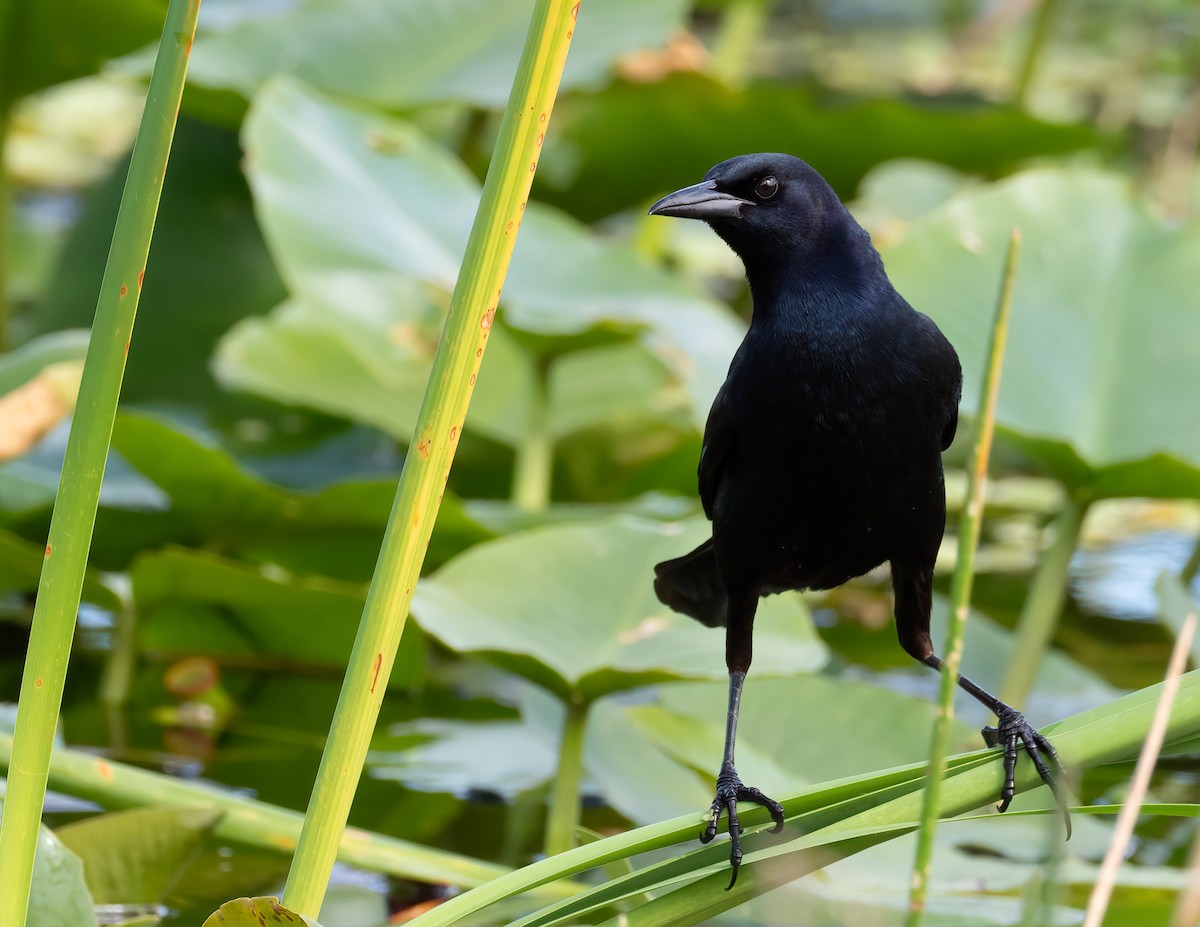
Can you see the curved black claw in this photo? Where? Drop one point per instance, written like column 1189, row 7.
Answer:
column 730, row 791
column 1012, row 727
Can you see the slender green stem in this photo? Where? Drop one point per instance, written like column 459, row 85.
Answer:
column 535, row 454
column 960, row 589
column 1033, row 51
column 1039, row 616
column 564, row 797
column 122, row 655
column 439, row 424
column 83, row 466
column 256, row 823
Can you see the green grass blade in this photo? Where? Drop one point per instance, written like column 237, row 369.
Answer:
column 960, row 590
column 83, row 466
column 439, row 425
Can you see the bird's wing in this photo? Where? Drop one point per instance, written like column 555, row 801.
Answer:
column 950, row 429
column 718, row 440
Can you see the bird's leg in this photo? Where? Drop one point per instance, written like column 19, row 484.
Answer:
column 730, row 789
column 1012, row 729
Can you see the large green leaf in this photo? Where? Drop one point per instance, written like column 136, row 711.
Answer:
column 133, row 857
column 399, row 54
column 333, row 530
column 683, row 125
column 573, row 608
column 1104, row 344
column 368, row 220
column 190, row 602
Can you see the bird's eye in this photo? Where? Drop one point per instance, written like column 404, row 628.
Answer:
column 767, row 187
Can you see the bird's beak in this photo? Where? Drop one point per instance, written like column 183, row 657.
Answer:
column 700, row 201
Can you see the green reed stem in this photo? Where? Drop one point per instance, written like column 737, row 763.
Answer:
column 960, row 589
column 564, row 796
column 83, row 466
column 439, row 426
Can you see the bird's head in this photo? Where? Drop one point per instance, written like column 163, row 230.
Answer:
column 771, row 206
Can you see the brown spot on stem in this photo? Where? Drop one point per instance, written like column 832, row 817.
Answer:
column 38, row 683
column 124, row 291
column 486, row 322
column 479, row 352
column 508, row 228
column 48, row 550
column 126, row 348
column 423, row 448
column 541, row 138
column 141, row 277
column 453, row 432
column 375, row 676
column 542, row 118
column 575, row 11
column 104, row 771
column 532, row 166
column 473, row 378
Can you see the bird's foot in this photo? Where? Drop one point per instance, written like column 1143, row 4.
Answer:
column 1011, row 728
column 730, row 791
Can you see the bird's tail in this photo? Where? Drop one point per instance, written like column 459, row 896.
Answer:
column 692, row 584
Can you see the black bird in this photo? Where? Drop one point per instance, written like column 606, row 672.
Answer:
column 822, row 452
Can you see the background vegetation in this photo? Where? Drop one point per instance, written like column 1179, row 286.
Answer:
column 326, row 169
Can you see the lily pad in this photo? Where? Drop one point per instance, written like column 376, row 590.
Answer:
column 573, row 609
column 256, row 912
column 134, row 857
column 368, row 220
column 1104, row 343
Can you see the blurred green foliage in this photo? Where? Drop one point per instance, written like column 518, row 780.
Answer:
column 322, row 185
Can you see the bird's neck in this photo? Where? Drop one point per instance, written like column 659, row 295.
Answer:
column 831, row 282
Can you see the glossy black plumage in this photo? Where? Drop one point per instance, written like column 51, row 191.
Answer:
column 822, row 451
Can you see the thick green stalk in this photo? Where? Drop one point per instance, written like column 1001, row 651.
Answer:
column 115, row 785
column 960, row 589
column 1033, row 51
column 439, row 424
column 535, row 454
column 83, row 466
column 1039, row 616
column 564, row 797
